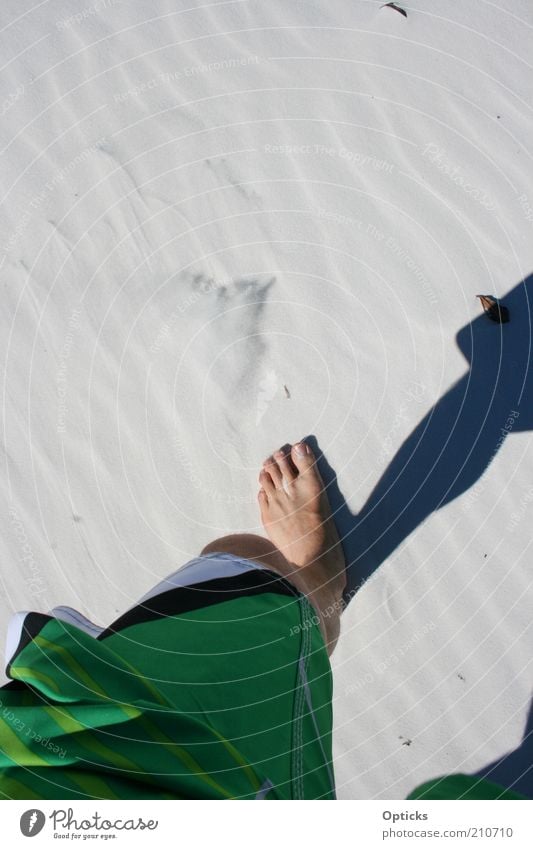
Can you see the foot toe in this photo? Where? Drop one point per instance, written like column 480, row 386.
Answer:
column 302, row 456
column 273, row 469
column 262, row 497
column 266, row 482
column 288, row 469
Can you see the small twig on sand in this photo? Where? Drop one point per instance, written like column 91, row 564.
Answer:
column 395, row 7
column 493, row 309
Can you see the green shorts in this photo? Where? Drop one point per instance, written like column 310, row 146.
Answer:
column 220, row 690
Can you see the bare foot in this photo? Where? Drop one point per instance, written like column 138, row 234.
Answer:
column 297, row 517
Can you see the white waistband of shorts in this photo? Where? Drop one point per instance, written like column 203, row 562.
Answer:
column 206, row 567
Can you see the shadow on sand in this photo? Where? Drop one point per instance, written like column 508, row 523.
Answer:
column 515, row 770
column 446, row 454
column 451, row 447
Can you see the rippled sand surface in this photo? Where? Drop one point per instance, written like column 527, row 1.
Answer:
column 227, row 226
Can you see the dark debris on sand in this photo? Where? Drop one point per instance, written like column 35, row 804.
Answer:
column 395, row 7
column 493, row 309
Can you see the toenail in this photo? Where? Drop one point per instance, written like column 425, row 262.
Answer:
column 279, row 455
column 302, row 449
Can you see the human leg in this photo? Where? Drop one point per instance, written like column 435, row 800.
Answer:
column 303, row 543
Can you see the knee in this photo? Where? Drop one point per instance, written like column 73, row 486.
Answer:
column 249, row 546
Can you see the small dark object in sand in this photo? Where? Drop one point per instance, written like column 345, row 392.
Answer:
column 396, row 8
column 462, row 677
column 406, row 742
column 494, row 310
column 287, row 393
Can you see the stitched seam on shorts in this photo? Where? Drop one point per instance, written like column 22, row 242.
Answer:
column 303, row 676
column 301, row 794
column 295, row 766
column 299, row 705
column 309, row 700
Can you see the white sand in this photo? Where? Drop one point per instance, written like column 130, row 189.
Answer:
column 203, row 206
